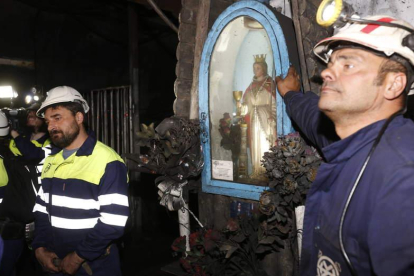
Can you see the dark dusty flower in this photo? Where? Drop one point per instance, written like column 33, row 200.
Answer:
column 199, row 271
column 289, row 184
column 195, row 239
column 212, row 234
column 292, row 146
column 211, row 237
column 266, row 203
column 209, row 245
column 233, row 225
column 311, row 175
column 293, row 166
column 179, row 244
column 277, row 173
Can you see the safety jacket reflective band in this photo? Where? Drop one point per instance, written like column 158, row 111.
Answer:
column 82, row 205
column 4, row 179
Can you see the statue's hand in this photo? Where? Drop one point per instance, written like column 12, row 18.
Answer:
column 244, row 109
column 290, row 83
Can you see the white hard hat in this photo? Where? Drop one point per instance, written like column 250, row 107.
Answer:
column 387, row 40
column 62, row 94
column 4, row 124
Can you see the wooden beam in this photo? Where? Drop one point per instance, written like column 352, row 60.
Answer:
column 201, row 35
column 18, row 63
column 173, row 6
column 299, row 39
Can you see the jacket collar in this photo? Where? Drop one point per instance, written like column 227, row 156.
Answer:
column 344, row 149
column 86, row 148
column 43, row 139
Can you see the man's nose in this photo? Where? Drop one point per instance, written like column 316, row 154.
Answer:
column 328, row 75
column 50, row 126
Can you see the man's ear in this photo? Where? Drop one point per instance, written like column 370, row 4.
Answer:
column 79, row 118
column 395, row 84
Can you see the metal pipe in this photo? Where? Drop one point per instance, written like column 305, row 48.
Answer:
column 111, row 117
column 163, row 16
column 97, row 129
column 105, row 113
column 124, row 122
column 92, row 113
column 131, row 128
column 118, row 125
column 101, row 116
column 302, row 58
column 111, row 114
column 88, row 100
column 184, row 221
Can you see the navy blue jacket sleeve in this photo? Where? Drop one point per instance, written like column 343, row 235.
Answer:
column 304, row 112
column 114, row 211
column 29, row 150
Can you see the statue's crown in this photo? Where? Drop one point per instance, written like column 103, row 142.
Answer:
column 260, row 58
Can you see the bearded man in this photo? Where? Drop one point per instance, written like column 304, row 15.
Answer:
column 82, row 206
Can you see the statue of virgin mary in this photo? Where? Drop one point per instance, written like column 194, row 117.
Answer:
column 260, row 102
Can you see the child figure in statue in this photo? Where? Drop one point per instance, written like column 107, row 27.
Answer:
column 260, row 102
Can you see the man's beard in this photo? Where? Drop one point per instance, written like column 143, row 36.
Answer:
column 66, row 138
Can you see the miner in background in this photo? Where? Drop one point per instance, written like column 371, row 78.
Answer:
column 82, row 206
column 34, row 146
column 17, row 198
column 359, row 217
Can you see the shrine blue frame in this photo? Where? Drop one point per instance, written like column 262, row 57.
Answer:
column 267, row 18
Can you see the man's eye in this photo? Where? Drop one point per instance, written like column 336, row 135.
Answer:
column 349, row 66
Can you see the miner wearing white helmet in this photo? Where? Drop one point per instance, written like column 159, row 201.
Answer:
column 82, row 206
column 4, row 124
column 359, row 217
column 17, row 198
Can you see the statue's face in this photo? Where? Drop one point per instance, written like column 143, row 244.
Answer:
column 258, row 70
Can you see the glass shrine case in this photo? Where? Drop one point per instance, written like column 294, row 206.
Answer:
column 240, row 111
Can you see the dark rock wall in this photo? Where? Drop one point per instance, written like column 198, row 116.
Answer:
column 311, row 34
column 185, row 57
column 188, row 58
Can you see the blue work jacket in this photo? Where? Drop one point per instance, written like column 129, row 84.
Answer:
column 82, row 206
column 378, row 230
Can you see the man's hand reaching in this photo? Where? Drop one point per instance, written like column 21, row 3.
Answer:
column 290, row 83
column 14, row 133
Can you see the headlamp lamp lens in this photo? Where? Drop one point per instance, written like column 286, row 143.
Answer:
column 328, row 11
